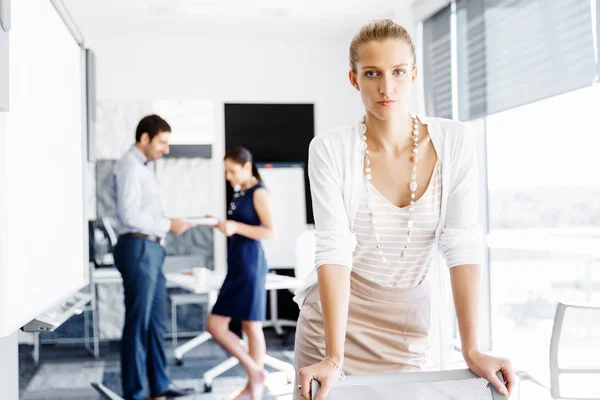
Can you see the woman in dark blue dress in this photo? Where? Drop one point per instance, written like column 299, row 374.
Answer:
column 243, row 294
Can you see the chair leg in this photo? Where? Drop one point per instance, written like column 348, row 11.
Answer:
column 522, row 375
column 174, row 324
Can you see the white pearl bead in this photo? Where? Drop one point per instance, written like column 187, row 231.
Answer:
column 363, row 129
column 416, row 132
column 412, row 195
column 408, row 240
column 371, row 203
column 380, row 253
column 367, row 170
column 412, row 209
column 365, row 138
column 416, row 151
column 376, row 236
column 413, row 177
column 413, row 186
column 369, row 176
column 412, row 202
column 414, row 168
column 410, row 223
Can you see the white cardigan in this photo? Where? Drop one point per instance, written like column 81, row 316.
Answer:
column 335, row 169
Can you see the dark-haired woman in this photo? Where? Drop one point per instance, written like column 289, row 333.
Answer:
column 243, row 296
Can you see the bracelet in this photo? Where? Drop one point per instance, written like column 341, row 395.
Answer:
column 337, row 368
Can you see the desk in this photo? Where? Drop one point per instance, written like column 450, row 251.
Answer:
column 274, row 282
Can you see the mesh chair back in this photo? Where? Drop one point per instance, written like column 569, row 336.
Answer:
column 575, row 352
column 432, row 385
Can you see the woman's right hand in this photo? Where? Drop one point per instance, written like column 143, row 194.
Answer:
column 325, row 373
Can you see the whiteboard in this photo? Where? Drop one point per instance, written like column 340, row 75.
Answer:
column 287, row 194
column 43, row 228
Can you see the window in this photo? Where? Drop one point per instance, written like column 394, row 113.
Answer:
column 524, row 74
column 544, row 202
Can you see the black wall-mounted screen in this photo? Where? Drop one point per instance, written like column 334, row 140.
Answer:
column 273, row 133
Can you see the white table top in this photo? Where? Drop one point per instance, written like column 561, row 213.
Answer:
column 188, row 282
column 107, row 275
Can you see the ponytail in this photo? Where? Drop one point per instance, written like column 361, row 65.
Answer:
column 255, row 172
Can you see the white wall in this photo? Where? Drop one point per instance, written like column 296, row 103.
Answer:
column 43, row 184
column 223, row 70
column 9, row 359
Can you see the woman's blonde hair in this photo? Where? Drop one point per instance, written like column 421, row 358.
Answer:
column 379, row 30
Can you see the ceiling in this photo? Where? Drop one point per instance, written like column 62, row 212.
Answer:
column 227, row 18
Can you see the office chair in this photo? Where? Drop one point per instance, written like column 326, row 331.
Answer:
column 112, row 236
column 575, row 353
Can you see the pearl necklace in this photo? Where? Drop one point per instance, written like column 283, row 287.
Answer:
column 412, row 186
column 237, row 194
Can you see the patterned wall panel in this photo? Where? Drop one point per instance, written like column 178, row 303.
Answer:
column 192, row 122
column 116, row 121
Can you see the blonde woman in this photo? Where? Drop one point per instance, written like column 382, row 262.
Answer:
column 391, row 193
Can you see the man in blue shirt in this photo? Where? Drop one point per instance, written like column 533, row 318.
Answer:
column 139, row 256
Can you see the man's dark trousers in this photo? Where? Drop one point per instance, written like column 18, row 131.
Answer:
column 140, row 261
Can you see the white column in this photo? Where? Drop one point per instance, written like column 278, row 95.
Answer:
column 9, row 367
column 219, row 185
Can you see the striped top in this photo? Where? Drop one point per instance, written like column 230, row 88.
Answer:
column 410, row 271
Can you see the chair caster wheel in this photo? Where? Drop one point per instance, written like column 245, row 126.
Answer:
column 207, row 388
column 178, row 362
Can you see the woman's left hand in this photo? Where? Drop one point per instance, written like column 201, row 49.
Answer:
column 228, row 227
column 487, row 366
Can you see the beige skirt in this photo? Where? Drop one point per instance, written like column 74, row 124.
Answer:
column 387, row 331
